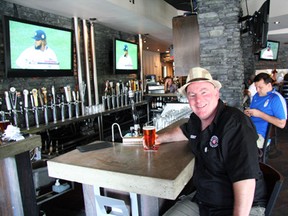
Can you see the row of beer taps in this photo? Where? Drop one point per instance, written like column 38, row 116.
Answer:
column 40, row 100
column 118, row 94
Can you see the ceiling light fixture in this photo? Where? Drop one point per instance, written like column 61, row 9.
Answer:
column 277, row 22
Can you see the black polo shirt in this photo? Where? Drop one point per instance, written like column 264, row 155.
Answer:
column 225, row 152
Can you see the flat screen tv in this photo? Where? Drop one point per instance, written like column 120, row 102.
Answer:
column 36, row 50
column 260, row 27
column 125, row 57
column 270, row 53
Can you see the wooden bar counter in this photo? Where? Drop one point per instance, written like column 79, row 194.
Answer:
column 151, row 175
column 16, row 181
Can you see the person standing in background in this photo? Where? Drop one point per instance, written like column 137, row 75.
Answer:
column 169, row 86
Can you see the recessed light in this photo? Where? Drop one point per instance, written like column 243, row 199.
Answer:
column 277, row 22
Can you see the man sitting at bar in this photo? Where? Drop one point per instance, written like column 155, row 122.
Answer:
column 267, row 106
column 227, row 176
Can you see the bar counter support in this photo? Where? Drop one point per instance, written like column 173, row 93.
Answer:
column 17, row 190
column 146, row 205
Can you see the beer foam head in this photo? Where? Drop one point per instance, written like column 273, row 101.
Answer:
column 148, row 127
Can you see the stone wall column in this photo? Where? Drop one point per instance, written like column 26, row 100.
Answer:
column 220, row 46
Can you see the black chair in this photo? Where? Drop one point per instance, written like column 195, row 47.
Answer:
column 274, row 181
column 263, row 154
column 271, row 136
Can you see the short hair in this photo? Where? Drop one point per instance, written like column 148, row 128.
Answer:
column 263, row 76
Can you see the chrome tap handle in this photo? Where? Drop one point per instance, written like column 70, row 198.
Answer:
column 69, row 110
column 117, row 88
column 36, row 117
column 40, row 98
column 76, row 104
column 13, row 100
column 35, row 96
column 44, row 92
column 67, row 91
column 53, row 105
column 46, row 115
column 26, row 93
column 74, row 96
column 13, row 97
column 62, row 109
column 7, row 99
column 53, row 94
column 34, row 101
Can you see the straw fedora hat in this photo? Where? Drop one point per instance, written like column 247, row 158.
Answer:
column 198, row 74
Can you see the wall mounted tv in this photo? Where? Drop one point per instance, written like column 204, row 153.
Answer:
column 270, row 53
column 26, row 54
column 260, row 27
column 125, row 57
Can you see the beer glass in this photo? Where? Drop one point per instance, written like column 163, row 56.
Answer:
column 149, row 136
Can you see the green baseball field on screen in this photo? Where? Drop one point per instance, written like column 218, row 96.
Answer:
column 21, row 37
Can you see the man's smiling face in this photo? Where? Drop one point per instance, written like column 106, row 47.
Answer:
column 203, row 99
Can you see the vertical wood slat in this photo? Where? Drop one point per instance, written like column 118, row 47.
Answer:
column 10, row 196
column 26, row 183
column 186, row 43
column 151, row 63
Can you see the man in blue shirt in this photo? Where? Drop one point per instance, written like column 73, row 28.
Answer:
column 267, row 106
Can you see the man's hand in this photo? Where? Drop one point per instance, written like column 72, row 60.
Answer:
column 253, row 112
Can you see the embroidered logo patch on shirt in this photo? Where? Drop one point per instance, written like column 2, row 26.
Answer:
column 266, row 103
column 192, row 136
column 214, row 141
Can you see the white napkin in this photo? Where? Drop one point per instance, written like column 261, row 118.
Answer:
column 12, row 133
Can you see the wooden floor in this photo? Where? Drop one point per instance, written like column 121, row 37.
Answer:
column 72, row 204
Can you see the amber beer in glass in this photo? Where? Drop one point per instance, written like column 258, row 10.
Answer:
column 149, row 136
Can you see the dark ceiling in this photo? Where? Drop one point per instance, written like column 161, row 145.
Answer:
column 184, row 5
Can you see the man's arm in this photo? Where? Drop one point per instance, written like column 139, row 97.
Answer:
column 271, row 119
column 243, row 196
column 172, row 135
